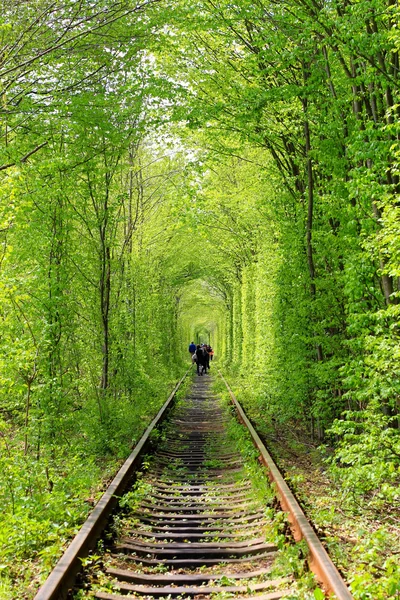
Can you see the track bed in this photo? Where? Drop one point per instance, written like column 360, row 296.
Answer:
column 200, row 520
column 196, row 527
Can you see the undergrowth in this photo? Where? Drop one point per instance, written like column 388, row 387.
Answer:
column 355, row 514
column 45, row 498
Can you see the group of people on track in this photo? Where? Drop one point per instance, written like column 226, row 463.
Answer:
column 201, row 355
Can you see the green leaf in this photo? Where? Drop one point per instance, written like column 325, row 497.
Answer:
column 319, row 594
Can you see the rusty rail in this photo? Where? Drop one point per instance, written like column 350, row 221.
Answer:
column 62, row 577
column 319, row 560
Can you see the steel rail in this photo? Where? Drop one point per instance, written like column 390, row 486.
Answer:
column 319, row 561
column 62, row 577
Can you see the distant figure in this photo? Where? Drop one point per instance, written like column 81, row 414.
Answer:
column 210, row 352
column 192, row 350
column 201, row 360
column 206, row 356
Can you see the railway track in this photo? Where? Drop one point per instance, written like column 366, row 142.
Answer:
column 198, row 522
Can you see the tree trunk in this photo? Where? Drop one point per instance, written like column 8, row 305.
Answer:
column 310, row 208
column 105, row 287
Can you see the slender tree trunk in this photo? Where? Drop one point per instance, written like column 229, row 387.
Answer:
column 386, row 280
column 310, row 208
column 27, row 410
column 105, row 287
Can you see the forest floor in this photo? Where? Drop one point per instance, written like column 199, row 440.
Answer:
column 361, row 536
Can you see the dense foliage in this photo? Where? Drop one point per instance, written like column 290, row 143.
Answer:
column 306, row 94
column 208, row 170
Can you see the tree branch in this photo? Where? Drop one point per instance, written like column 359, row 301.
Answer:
column 24, row 158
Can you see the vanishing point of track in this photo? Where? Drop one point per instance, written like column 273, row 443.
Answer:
column 196, row 526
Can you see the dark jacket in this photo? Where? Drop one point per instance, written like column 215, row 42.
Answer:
column 201, row 359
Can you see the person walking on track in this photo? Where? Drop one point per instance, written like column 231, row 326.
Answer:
column 206, row 356
column 210, row 352
column 201, row 360
column 192, row 350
